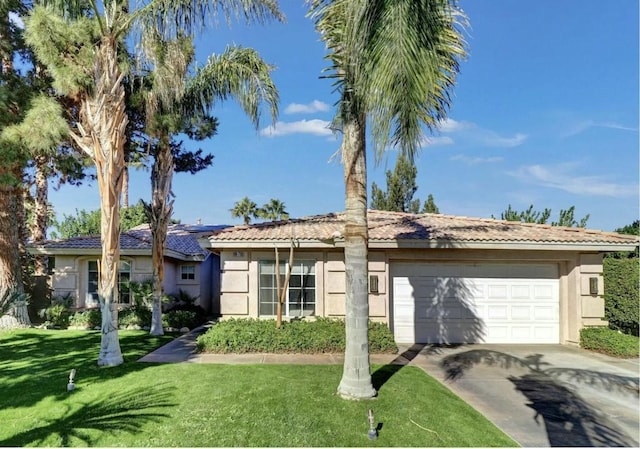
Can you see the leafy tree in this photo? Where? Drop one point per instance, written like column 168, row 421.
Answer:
column 566, row 217
column 238, row 73
column 83, row 45
column 88, row 222
column 401, row 187
column 430, row 206
column 394, row 64
column 630, row 229
column 15, row 94
column 245, row 209
column 273, row 210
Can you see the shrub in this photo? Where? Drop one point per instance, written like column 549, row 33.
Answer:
column 610, row 342
column 59, row 312
column 322, row 335
column 86, row 318
column 622, row 305
column 180, row 318
column 134, row 316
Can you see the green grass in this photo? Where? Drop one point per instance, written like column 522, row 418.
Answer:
column 179, row 405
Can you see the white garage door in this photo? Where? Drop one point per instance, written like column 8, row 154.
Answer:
column 475, row 303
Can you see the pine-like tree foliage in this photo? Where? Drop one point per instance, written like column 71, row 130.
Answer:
column 401, row 187
column 65, row 47
column 566, row 217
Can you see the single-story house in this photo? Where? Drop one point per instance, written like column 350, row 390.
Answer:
column 432, row 278
column 187, row 266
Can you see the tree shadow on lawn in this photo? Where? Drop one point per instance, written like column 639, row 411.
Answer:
column 569, row 420
column 35, row 364
column 126, row 411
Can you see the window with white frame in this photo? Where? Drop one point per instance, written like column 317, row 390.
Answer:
column 187, row 272
column 124, row 275
column 301, row 292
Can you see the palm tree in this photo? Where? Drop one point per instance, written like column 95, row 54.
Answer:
column 273, row 210
column 82, row 43
column 394, row 65
column 246, row 209
column 171, row 61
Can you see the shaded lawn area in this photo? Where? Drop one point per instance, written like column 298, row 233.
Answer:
column 196, row 405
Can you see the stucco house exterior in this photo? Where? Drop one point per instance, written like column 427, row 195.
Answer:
column 187, row 266
column 432, row 278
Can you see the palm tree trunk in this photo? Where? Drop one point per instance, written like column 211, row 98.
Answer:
column 41, row 212
column 125, row 187
column 356, row 376
column 161, row 210
column 104, row 122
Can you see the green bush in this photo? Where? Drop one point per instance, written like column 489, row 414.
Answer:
column 610, row 342
column 134, row 316
column 322, row 335
column 622, row 305
column 59, row 312
column 180, row 318
column 86, row 318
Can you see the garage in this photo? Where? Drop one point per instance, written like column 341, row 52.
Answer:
column 475, row 303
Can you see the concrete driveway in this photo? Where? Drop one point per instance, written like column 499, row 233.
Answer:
column 542, row 395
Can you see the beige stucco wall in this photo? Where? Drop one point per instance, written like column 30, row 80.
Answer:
column 70, row 275
column 578, row 308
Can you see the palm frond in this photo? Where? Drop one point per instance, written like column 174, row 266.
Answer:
column 395, row 61
column 238, row 73
column 413, row 50
column 171, row 17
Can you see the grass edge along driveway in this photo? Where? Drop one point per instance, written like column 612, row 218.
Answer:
column 200, row 405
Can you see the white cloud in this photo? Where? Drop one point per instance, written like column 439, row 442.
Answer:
column 476, row 135
column 469, row 160
column 582, row 126
column 310, row 108
column 492, row 139
column 561, row 177
column 435, row 141
column 450, row 125
column 316, row 127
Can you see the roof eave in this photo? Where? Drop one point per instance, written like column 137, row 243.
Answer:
column 419, row 244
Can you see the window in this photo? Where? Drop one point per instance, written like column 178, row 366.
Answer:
column 301, row 294
column 123, row 280
column 187, row 272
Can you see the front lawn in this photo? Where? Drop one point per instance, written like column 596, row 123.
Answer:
column 196, row 405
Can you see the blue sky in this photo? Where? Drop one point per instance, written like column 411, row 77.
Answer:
column 545, row 112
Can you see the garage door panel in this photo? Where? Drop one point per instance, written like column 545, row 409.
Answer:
column 543, row 292
column 499, row 305
column 498, row 312
column 521, row 313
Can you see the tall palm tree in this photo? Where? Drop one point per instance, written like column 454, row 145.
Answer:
column 235, row 73
column 273, row 210
column 82, row 43
column 394, row 63
column 245, row 209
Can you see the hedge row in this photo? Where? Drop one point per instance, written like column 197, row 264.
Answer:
column 323, row 335
column 622, row 305
column 610, row 342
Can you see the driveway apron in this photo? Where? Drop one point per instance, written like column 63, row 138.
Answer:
column 543, row 395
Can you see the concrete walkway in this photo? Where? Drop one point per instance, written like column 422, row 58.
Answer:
column 540, row 395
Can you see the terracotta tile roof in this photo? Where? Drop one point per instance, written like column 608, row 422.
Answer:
column 397, row 226
column 180, row 238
